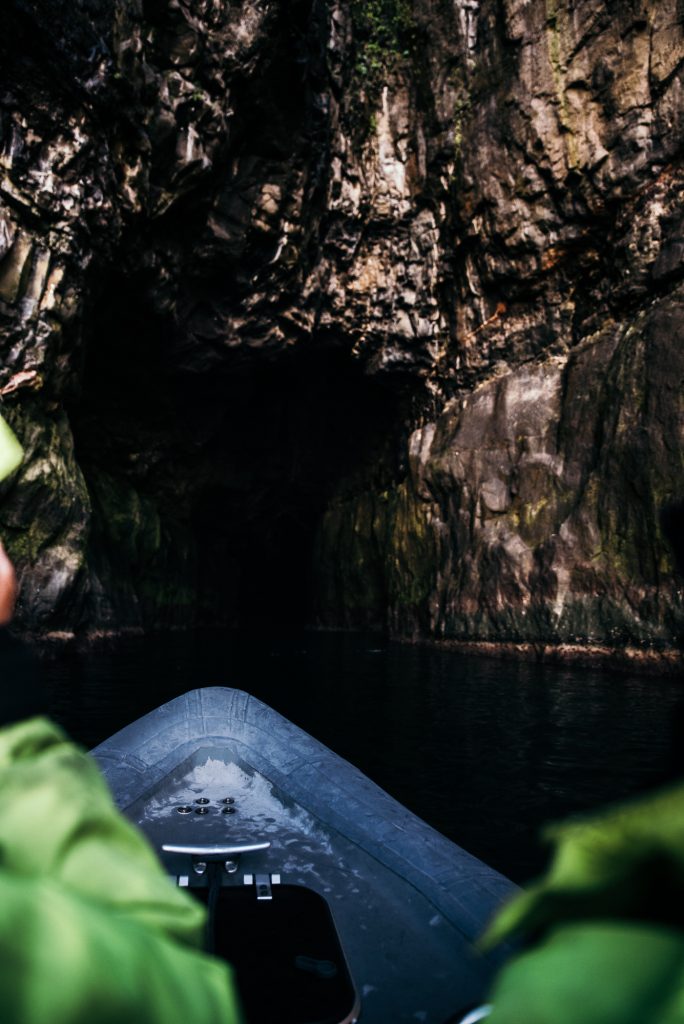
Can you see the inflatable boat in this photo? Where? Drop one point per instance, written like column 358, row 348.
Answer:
column 332, row 901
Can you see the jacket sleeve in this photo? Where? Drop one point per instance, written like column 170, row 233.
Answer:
column 597, row 972
column 604, row 927
column 87, row 912
column 625, row 862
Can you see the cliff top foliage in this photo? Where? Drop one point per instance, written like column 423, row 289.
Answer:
column 384, row 35
column 383, row 32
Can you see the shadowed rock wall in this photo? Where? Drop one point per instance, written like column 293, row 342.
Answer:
column 452, row 230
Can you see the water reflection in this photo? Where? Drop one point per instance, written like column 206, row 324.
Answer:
column 485, row 750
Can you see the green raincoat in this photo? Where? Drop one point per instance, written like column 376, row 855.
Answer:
column 91, row 929
column 605, row 925
column 11, row 452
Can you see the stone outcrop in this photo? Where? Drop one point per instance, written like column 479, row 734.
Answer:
column 531, row 506
column 398, row 281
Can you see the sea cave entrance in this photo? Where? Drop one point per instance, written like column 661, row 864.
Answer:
column 208, row 486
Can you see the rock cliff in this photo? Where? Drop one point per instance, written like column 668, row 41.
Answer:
column 367, row 310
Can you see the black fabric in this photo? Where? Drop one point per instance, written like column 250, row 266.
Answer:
column 21, row 688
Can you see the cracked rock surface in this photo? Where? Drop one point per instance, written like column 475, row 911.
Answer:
column 379, row 305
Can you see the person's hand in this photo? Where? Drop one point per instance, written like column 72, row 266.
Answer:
column 8, row 587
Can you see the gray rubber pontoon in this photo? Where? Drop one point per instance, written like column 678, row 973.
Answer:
column 215, row 772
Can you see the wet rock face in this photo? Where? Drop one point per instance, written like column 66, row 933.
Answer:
column 398, row 281
column 531, row 506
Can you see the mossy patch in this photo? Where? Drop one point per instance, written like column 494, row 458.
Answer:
column 376, row 559
column 146, row 565
column 47, row 499
column 130, row 521
column 412, row 553
column 556, row 32
column 462, row 106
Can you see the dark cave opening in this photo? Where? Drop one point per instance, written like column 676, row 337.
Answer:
column 208, row 488
column 289, row 433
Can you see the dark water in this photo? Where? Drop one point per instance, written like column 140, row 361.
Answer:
column 484, row 750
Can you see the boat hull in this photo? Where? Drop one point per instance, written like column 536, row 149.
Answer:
column 408, row 904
